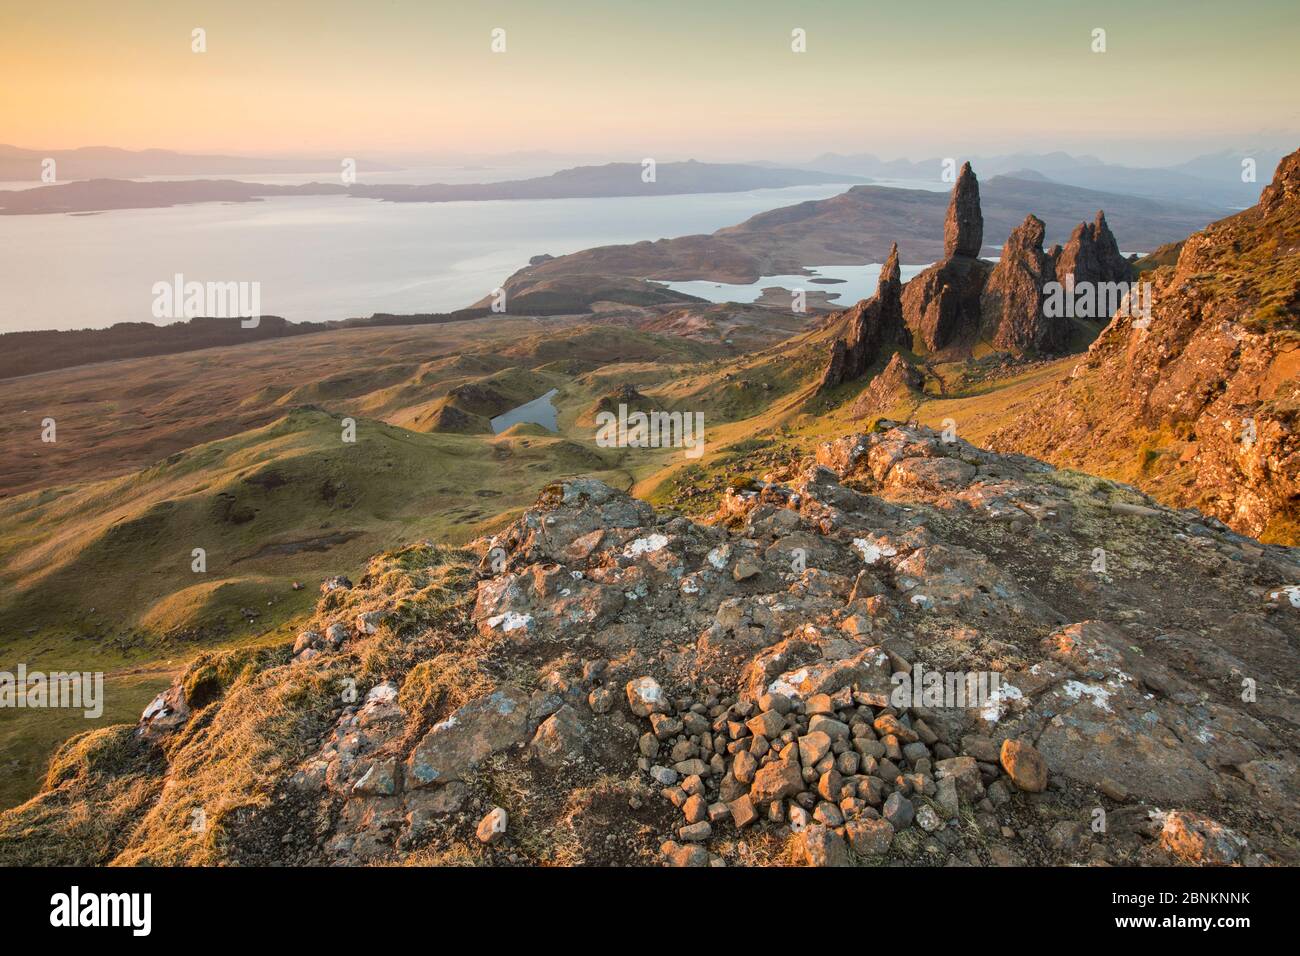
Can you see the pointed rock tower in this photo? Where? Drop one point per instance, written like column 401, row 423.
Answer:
column 869, row 328
column 941, row 306
column 897, row 383
column 1014, row 317
column 963, row 229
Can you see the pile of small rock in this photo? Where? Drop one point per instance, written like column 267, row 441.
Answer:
column 838, row 770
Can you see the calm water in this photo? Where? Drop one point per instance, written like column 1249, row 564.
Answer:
column 539, row 411
column 322, row 257
column 859, row 283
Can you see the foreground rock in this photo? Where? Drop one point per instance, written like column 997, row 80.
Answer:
column 919, row 664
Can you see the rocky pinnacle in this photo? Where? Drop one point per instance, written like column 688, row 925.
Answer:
column 870, row 327
column 1012, row 302
column 963, row 230
column 889, row 288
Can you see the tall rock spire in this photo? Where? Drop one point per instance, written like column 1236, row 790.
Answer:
column 941, row 306
column 869, row 329
column 963, row 230
column 889, row 290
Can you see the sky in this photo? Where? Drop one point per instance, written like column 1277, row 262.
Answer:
column 625, row 79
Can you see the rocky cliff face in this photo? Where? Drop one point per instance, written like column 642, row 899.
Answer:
column 1013, row 300
column 942, row 305
column 868, row 329
column 1092, row 255
column 1207, row 388
column 610, row 685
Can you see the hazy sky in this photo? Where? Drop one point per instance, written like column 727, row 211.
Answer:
column 714, row 79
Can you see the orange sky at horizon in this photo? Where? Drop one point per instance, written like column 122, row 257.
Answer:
column 673, row 78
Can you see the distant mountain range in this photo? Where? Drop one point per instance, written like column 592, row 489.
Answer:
column 109, row 162
column 582, row 182
column 1214, row 179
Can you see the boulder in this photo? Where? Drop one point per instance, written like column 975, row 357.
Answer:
column 492, row 828
column 455, row 746
column 1024, row 765
column 870, row 837
column 819, row 845
column 561, row 739
column 1200, row 840
column 776, row 781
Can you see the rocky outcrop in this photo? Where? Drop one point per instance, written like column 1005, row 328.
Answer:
column 941, row 306
column 1283, row 193
column 1092, row 255
column 868, row 329
column 1012, row 303
column 960, row 300
column 445, row 416
column 898, row 382
column 963, row 228
column 1200, row 397
column 900, row 650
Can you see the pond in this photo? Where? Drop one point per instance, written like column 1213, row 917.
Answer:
column 539, row 411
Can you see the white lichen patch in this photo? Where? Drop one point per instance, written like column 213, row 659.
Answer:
column 1289, row 594
column 510, row 621
column 787, row 684
column 1077, row 690
column 871, row 553
column 999, row 700
column 647, row 545
column 385, row 693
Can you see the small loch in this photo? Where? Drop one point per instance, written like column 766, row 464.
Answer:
column 539, row 411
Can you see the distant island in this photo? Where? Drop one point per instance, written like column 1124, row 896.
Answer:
column 853, row 228
column 581, row 182
column 30, row 352
column 109, row 162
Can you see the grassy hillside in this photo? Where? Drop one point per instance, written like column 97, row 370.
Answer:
column 241, row 454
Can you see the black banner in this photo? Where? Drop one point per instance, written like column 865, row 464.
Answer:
column 307, row 904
